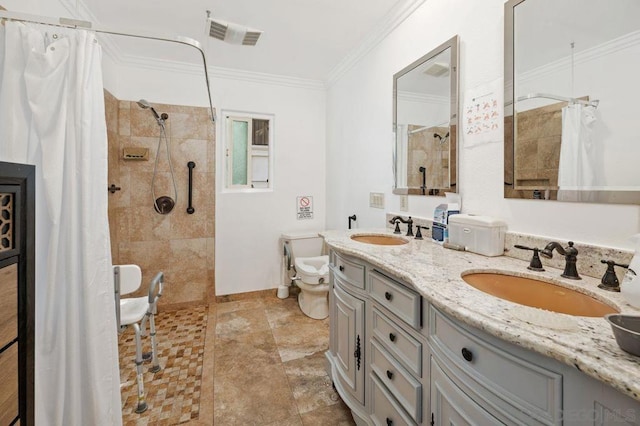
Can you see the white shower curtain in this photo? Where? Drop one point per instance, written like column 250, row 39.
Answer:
column 577, row 153
column 52, row 115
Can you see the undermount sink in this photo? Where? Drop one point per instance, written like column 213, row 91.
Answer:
column 538, row 294
column 380, row 240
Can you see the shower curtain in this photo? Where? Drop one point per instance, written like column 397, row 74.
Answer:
column 52, row 115
column 577, row 154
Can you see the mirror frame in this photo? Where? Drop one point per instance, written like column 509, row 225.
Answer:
column 452, row 44
column 604, row 196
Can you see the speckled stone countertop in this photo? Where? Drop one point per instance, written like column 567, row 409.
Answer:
column 585, row 343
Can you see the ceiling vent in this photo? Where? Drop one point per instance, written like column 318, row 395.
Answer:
column 233, row 33
column 437, row 69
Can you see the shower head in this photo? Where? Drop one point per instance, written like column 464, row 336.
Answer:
column 144, row 104
column 441, row 139
column 232, row 33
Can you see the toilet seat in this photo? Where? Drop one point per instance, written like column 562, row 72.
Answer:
column 313, row 270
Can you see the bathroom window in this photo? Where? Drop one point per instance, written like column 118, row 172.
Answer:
column 248, row 150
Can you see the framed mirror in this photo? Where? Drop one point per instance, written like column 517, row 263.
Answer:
column 571, row 92
column 425, row 111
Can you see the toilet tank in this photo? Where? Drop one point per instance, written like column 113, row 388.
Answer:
column 303, row 244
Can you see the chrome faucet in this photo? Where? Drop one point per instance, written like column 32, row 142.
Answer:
column 570, row 254
column 396, row 219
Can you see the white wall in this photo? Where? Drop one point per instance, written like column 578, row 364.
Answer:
column 359, row 141
column 248, row 225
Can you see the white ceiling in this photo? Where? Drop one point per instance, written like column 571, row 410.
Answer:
column 302, row 38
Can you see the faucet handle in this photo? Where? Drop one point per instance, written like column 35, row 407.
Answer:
column 609, row 280
column 535, row 264
column 419, row 232
column 397, row 230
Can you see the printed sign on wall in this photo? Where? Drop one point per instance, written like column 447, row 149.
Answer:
column 305, row 207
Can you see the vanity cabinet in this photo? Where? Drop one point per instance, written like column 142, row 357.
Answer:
column 377, row 355
column 397, row 359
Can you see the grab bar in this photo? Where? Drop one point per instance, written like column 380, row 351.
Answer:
column 191, row 165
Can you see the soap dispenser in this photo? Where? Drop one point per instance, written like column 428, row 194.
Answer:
column 630, row 285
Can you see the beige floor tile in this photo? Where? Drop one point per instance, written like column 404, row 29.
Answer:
column 334, row 415
column 310, row 384
column 258, row 397
column 244, row 352
column 239, row 305
column 286, row 311
column 293, row 421
column 245, row 321
column 299, row 340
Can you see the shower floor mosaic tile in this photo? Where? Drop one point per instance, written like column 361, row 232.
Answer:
column 253, row 360
column 173, row 393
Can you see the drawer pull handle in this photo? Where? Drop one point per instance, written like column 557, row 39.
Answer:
column 392, row 337
column 341, row 268
column 389, row 422
column 467, row 354
column 390, row 374
column 388, row 295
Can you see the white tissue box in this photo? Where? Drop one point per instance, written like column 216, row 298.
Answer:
column 478, row 234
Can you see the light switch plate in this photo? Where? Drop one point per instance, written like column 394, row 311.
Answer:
column 404, row 203
column 376, row 200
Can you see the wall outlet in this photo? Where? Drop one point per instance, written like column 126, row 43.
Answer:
column 376, row 199
column 404, row 203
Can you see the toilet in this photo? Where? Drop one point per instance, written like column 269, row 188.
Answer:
column 303, row 257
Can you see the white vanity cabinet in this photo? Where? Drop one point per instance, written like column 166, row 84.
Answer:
column 419, row 365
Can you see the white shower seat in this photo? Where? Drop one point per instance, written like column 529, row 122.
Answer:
column 135, row 311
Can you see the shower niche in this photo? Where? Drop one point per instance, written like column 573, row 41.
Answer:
column 17, row 297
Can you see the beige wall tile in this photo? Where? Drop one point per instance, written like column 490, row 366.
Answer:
column 186, row 126
column 179, row 244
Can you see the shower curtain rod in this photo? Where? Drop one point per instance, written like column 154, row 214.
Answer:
column 422, row 129
column 593, row 103
column 80, row 24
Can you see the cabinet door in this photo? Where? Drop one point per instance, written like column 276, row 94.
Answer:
column 451, row 406
column 349, row 341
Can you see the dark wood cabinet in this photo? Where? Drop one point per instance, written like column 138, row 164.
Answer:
column 17, row 293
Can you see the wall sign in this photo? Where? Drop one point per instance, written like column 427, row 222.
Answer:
column 304, row 206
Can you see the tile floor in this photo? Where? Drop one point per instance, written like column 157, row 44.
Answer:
column 262, row 364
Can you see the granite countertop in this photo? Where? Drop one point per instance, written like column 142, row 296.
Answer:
column 585, row 343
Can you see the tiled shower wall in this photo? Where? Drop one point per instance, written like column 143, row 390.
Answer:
column 537, row 154
column 179, row 244
column 424, row 149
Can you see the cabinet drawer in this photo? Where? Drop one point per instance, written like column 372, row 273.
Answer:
column 400, row 300
column 351, row 272
column 533, row 391
column 407, row 390
column 401, row 344
column 9, row 384
column 384, row 408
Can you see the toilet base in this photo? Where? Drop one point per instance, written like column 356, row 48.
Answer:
column 314, row 300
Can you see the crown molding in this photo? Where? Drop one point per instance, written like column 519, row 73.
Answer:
column 389, row 23
column 220, row 72
column 600, row 51
column 79, row 10
column 422, row 98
